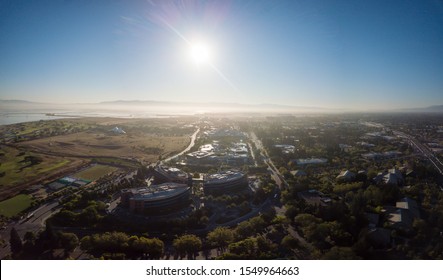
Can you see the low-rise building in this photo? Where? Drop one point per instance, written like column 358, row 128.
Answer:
column 118, row 130
column 314, row 197
column 391, row 177
column 224, row 182
column 298, row 173
column 156, row 199
column 305, row 161
column 346, row 176
column 409, row 204
column 403, row 214
column 399, row 218
column 163, row 174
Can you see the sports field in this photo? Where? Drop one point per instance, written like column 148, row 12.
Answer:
column 15, row 205
column 95, row 172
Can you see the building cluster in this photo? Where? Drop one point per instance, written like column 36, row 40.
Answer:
column 391, row 177
column 67, row 181
column 399, row 217
column 172, row 190
column 224, row 182
column 156, row 199
column 379, row 156
column 346, row 176
column 286, row 149
column 214, row 154
column 314, row 197
column 214, row 132
column 305, row 161
column 165, row 174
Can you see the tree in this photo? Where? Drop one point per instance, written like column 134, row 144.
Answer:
column 15, row 242
column 265, row 248
column 29, row 237
column 188, row 244
column 318, row 235
column 89, row 216
column 305, row 220
column 289, row 242
column 69, row 241
column 49, row 236
column 221, row 237
column 156, row 248
column 145, row 247
column 108, row 242
column 340, row 253
column 244, row 248
column 257, row 223
column 291, row 212
column 65, row 218
column 243, row 230
column 29, row 244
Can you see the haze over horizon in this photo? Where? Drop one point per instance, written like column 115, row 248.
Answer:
column 329, row 54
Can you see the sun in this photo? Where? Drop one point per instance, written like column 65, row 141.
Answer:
column 200, row 53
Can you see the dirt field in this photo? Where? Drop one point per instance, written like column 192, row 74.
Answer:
column 145, row 147
column 38, row 152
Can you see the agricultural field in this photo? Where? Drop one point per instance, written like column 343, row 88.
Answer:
column 15, row 205
column 94, row 172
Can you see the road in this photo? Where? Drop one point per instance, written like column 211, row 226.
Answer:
column 282, row 184
column 423, row 149
column 275, row 174
column 193, row 137
column 33, row 224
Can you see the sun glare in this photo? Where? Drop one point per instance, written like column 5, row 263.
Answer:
column 200, row 53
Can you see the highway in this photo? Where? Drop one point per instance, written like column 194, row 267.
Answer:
column 275, row 174
column 423, row 149
column 282, row 184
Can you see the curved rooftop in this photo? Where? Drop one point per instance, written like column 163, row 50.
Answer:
column 171, row 171
column 158, row 192
column 223, row 177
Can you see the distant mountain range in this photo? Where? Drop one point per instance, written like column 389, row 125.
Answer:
column 430, row 109
column 159, row 105
column 16, row 101
column 206, row 106
column 209, row 104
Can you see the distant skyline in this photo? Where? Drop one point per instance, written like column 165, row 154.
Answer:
column 330, row 54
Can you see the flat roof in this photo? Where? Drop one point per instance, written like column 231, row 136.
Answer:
column 303, row 161
column 172, row 171
column 223, row 177
column 158, row 192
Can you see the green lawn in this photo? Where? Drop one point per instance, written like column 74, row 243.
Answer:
column 95, row 172
column 14, row 170
column 53, row 167
column 15, row 205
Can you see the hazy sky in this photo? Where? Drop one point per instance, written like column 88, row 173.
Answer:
column 342, row 54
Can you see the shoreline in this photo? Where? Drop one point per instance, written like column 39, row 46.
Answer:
column 11, row 118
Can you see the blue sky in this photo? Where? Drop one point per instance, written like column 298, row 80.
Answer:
column 337, row 54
